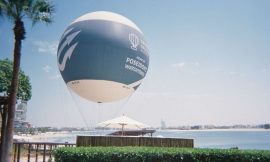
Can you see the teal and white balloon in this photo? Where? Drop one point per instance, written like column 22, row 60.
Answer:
column 103, row 56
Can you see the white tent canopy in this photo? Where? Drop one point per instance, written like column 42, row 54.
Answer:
column 123, row 122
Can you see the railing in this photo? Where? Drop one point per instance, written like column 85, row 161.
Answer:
column 43, row 151
column 36, row 151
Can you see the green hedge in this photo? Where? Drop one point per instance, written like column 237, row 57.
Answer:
column 157, row 154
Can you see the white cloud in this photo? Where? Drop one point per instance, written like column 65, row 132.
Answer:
column 219, row 70
column 47, row 68
column 46, row 47
column 197, row 64
column 232, row 72
column 57, row 76
column 266, row 70
column 179, row 66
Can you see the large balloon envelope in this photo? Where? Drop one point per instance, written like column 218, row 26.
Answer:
column 102, row 56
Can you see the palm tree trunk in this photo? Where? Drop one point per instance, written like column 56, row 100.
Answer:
column 3, row 128
column 19, row 33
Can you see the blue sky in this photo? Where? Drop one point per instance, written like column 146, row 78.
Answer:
column 209, row 64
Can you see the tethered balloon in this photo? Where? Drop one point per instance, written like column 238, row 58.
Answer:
column 103, row 56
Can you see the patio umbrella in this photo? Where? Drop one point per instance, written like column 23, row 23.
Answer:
column 123, row 122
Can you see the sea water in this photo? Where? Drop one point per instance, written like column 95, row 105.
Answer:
column 242, row 139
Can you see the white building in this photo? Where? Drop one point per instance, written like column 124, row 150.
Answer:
column 20, row 114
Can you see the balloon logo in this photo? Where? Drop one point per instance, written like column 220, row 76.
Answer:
column 103, row 56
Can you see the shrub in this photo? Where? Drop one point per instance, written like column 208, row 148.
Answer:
column 157, row 154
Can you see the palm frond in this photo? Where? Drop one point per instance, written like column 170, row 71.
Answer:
column 36, row 10
column 1, row 8
column 41, row 10
column 9, row 9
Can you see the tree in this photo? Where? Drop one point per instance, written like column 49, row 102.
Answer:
column 16, row 11
column 24, row 90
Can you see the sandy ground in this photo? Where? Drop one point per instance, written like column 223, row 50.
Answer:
column 41, row 137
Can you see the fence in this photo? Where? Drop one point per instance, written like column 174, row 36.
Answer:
column 42, row 151
column 36, row 151
column 133, row 141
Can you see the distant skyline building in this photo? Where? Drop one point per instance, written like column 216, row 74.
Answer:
column 163, row 124
column 20, row 115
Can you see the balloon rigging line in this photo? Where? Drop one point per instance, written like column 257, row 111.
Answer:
column 78, row 108
column 100, row 113
column 62, row 102
column 122, row 106
column 105, row 62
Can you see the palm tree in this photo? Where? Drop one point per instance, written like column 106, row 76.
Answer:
column 16, row 11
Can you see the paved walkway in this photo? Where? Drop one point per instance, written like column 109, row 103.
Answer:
column 33, row 159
